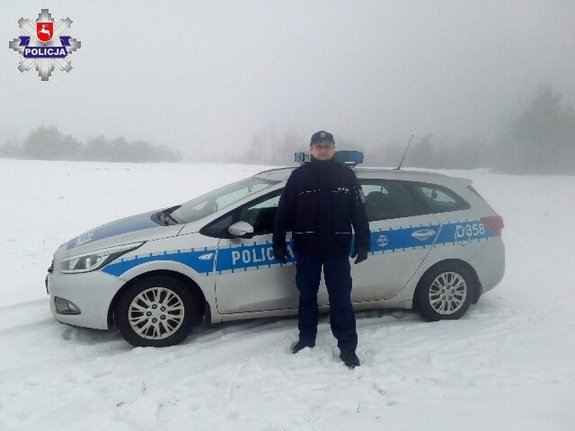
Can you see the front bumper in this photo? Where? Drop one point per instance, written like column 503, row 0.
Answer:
column 91, row 292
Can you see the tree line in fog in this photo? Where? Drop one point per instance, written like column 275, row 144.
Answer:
column 48, row 143
column 541, row 139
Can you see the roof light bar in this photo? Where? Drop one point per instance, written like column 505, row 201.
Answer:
column 345, row 157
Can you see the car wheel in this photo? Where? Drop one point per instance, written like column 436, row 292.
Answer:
column 444, row 292
column 156, row 311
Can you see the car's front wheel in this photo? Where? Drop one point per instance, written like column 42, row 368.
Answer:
column 156, row 311
column 444, row 292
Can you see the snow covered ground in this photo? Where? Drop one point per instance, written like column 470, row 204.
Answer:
column 507, row 365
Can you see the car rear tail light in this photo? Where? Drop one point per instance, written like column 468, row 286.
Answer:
column 495, row 223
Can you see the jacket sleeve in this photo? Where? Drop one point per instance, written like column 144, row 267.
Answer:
column 359, row 218
column 284, row 212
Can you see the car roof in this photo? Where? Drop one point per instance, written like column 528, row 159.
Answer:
column 282, row 174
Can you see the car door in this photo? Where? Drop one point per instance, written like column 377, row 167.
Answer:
column 247, row 277
column 401, row 237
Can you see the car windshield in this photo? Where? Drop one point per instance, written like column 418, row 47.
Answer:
column 218, row 199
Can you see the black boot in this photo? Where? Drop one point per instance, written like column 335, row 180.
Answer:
column 349, row 358
column 302, row 344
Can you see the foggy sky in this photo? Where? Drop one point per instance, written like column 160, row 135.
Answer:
column 204, row 77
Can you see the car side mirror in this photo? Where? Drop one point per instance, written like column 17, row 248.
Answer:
column 241, row 229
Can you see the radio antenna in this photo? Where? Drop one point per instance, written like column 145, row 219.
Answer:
column 404, row 154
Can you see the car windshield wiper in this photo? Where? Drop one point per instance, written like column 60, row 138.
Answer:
column 164, row 217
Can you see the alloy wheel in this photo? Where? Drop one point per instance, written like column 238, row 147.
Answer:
column 447, row 293
column 156, row 313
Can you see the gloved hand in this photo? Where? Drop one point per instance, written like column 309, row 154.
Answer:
column 361, row 255
column 281, row 254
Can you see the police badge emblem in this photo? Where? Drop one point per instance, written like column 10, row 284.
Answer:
column 46, row 45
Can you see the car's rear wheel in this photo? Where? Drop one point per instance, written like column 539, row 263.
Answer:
column 444, row 292
column 156, row 311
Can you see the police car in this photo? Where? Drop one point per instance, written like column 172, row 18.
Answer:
column 435, row 246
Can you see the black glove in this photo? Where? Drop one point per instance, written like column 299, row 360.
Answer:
column 361, row 255
column 281, row 254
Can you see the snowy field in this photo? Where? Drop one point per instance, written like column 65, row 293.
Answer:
column 507, row 365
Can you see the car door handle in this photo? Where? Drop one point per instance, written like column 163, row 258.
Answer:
column 423, row 234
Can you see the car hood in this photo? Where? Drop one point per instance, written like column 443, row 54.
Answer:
column 139, row 227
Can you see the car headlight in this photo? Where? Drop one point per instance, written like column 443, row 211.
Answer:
column 95, row 259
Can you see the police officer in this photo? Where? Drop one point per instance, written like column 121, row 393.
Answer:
column 322, row 200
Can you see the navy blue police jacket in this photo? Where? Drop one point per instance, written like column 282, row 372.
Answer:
column 320, row 204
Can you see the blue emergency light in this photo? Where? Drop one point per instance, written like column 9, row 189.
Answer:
column 345, row 157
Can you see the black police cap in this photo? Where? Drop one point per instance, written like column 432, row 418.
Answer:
column 321, row 137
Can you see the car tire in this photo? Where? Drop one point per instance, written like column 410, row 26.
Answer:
column 157, row 311
column 444, row 292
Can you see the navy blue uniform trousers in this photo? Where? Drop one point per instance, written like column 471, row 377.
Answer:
column 337, row 276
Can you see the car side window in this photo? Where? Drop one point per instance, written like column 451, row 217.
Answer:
column 218, row 199
column 387, row 199
column 439, row 199
column 261, row 215
column 219, row 227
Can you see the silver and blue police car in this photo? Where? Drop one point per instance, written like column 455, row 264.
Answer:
column 436, row 247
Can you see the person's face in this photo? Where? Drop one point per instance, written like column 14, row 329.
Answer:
column 322, row 151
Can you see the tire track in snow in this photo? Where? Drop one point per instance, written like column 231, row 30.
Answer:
column 27, row 327
column 25, row 317
column 20, row 306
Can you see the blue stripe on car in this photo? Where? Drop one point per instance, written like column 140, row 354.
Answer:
column 260, row 255
column 201, row 261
